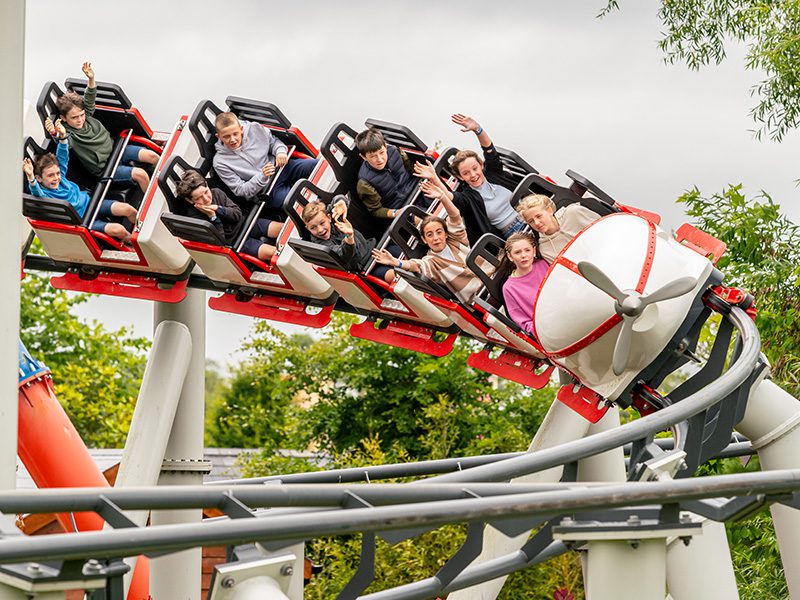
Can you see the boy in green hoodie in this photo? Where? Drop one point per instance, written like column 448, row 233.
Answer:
column 90, row 140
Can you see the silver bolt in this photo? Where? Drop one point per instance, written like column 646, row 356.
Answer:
column 228, row 582
column 287, row 570
column 634, row 520
column 35, row 568
column 93, row 565
column 567, row 522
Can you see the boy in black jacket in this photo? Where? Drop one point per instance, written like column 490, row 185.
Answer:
column 214, row 205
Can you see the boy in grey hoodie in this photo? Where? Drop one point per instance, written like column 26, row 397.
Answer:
column 248, row 155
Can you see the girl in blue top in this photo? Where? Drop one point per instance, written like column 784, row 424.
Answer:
column 47, row 178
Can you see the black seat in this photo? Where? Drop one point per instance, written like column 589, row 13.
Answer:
column 561, row 196
column 581, row 185
column 487, row 249
column 192, row 229
column 52, row 210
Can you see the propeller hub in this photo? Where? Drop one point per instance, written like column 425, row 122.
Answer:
column 631, row 305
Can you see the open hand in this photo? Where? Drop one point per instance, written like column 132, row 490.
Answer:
column 88, row 71
column 339, row 210
column 27, row 168
column 281, row 159
column 344, row 226
column 426, row 171
column 431, row 190
column 466, row 123
column 268, row 170
column 383, row 257
column 49, row 127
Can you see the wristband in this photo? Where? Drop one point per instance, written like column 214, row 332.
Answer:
column 479, row 130
column 399, row 264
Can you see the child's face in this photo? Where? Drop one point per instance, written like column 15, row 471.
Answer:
column 434, row 236
column 320, row 226
column 377, row 159
column 522, row 254
column 75, row 117
column 200, row 195
column 542, row 220
column 471, row 171
column 50, row 177
column 231, row 136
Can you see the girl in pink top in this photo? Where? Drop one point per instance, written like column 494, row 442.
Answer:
column 522, row 286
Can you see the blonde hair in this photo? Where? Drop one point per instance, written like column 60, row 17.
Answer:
column 311, row 210
column 535, row 201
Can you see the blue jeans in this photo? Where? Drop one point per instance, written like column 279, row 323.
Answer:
column 295, row 169
column 124, row 170
column 254, row 242
column 103, row 215
column 517, row 225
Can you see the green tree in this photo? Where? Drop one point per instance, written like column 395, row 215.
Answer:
column 763, row 257
column 695, row 33
column 96, row 372
column 335, row 392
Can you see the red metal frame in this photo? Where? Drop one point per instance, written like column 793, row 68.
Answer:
column 512, row 366
column 404, row 335
column 652, row 217
column 583, row 401
column 236, row 259
column 123, row 285
column 143, row 141
column 274, row 308
column 701, row 242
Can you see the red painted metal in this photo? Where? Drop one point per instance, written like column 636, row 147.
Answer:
column 652, row 217
column 583, row 401
column 512, row 366
column 701, row 242
column 404, row 335
column 149, row 144
column 55, row 456
column 273, row 308
column 52, row 450
column 123, row 285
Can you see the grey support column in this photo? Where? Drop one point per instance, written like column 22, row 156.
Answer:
column 771, row 422
column 12, row 51
column 179, row 575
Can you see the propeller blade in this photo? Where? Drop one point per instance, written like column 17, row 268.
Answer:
column 676, row 288
column 600, row 280
column 622, row 349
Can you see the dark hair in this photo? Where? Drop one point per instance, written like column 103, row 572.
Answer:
column 190, row 181
column 460, row 157
column 506, row 264
column 370, row 140
column 67, row 101
column 225, row 119
column 431, row 219
column 44, row 161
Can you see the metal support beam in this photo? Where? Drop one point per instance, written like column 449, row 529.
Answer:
column 12, row 50
column 179, row 575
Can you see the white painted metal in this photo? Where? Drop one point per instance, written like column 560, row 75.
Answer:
column 560, row 425
column 645, row 566
column 703, row 569
column 568, row 307
column 179, row 575
column 12, row 44
column 771, row 422
column 259, row 588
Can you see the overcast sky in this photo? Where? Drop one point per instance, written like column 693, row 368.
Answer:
column 545, row 78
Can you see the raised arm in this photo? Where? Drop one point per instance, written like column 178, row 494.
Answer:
column 469, row 124
column 89, row 72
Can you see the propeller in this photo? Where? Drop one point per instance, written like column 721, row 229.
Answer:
column 629, row 304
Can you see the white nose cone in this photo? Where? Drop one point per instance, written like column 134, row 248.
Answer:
column 577, row 324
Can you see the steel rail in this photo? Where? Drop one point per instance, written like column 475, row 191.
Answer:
column 169, row 538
